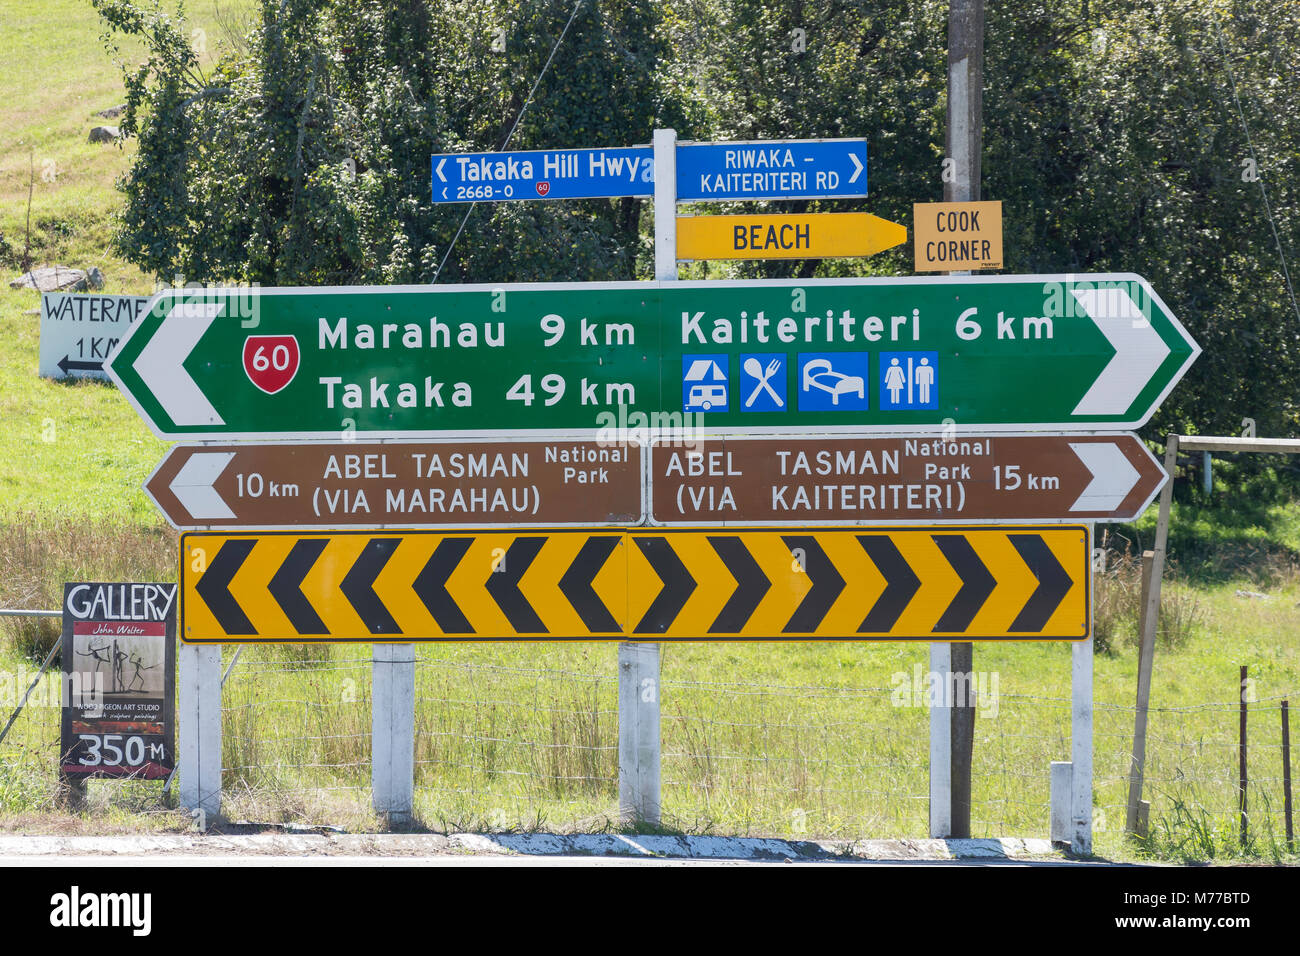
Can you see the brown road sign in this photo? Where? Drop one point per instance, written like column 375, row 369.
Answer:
column 406, row 484
column 922, row 479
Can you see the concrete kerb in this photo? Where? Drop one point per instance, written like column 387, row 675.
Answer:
column 649, row 846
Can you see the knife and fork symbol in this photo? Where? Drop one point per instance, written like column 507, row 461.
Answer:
column 755, row 369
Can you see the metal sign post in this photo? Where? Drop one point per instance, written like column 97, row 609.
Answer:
column 639, row 666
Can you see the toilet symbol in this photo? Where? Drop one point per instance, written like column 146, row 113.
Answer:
column 924, row 379
column 909, row 380
column 894, row 381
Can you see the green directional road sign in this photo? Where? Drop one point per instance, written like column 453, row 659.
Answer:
column 762, row 356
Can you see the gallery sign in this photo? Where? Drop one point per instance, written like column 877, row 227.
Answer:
column 119, row 670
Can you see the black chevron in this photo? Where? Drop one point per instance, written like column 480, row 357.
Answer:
column 751, row 584
column 827, row 585
column 214, row 586
column 1053, row 582
column 430, row 586
column 678, row 585
column 504, row 586
column 901, row 584
column 976, row 582
column 358, row 586
column 286, row 586
column 576, row 584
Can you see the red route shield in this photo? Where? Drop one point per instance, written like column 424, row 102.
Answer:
column 543, row 188
column 271, row 361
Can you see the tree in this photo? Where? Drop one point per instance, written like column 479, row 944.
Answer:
column 305, row 160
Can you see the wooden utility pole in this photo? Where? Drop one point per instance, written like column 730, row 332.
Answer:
column 962, row 184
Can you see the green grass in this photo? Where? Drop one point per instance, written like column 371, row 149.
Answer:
column 66, row 449
column 798, row 739
column 77, row 448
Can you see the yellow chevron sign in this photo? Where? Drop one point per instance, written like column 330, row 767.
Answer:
column 1017, row 582
column 801, row 236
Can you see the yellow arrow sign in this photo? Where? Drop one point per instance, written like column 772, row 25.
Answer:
column 1014, row 582
column 805, row 236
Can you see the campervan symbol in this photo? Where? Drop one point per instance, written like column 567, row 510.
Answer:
column 704, row 383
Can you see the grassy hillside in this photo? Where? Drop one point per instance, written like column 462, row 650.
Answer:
column 71, row 449
column 776, row 738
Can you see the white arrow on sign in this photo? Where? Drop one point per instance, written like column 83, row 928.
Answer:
column 160, row 364
column 857, row 167
column 193, row 485
column 1139, row 350
column 441, row 163
column 1113, row 476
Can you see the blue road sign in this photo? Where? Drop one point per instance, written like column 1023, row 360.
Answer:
column 834, row 381
column 704, row 383
column 544, row 174
column 909, row 380
column 780, row 169
column 765, row 382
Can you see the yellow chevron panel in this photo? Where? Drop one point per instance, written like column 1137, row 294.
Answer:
column 939, row 584
column 611, row 581
column 713, row 587
column 863, row 584
column 541, row 584
column 789, row 584
column 1015, row 583
column 1074, row 616
column 753, row 584
column 321, row 586
column 249, row 586
column 643, row 586
column 196, row 622
column 468, row 583
column 395, row 586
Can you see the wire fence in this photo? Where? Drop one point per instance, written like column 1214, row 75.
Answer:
column 505, row 745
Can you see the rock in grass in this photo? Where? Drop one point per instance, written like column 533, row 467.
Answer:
column 59, row 279
column 105, row 134
column 1252, row 594
column 113, row 112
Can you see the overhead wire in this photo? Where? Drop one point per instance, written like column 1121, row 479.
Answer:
column 1259, row 176
column 510, row 135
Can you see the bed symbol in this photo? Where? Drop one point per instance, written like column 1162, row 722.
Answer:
column 820, row 373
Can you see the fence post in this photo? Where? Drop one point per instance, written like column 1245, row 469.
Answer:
column 1061, row 799
column 200, row 729
column 638, row 733
column 1241, row 786
column 1146, row 654
column 1081, row 745
column 1150, row 617
column 940, row 740
column 392, row 731
column 1286, row 773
